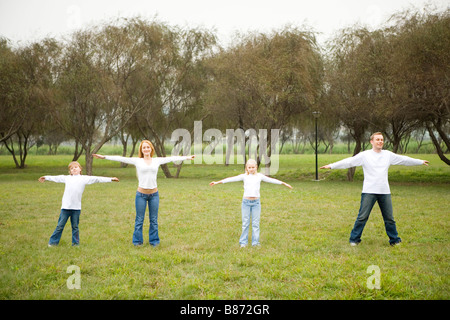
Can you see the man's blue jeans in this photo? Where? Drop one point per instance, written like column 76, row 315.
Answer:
column 251, row 210
column 141, row 202
column 367, row 202
column 65, row 214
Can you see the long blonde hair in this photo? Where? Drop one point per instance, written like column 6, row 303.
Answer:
column 250, row 161
column 141, row 154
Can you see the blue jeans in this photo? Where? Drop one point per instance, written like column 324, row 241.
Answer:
column 65, row 214
column 141, row 202
column 367, row 202
column 251, row 210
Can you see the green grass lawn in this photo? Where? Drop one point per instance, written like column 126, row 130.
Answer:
column 304, row 251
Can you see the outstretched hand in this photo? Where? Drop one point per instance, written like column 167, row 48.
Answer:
column 41, row 179
column 115, row 179
column 425, row 162
column 325, row 167
column 287, row 185
column 98, row 156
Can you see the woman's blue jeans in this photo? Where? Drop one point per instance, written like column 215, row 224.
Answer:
column 367, row 202
column 141, row 202
column 65, row 214
column 251, row 210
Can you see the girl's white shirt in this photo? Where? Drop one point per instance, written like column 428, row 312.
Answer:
column 252, row 183
column 375, row 167
column 146, row 173
column 74, row 188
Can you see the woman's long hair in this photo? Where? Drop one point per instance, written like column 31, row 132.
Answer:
column 141, row 154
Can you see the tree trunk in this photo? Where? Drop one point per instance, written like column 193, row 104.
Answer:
column 89, row 162
column 437, row 145
column 76, row 153
column 358, row 148
column 124, row 148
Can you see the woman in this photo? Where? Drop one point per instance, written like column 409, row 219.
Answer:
column 147, row 192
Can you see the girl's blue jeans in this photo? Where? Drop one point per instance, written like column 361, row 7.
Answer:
column 251, row 210
column 65, row 214
column 367, row 202
column 141, row 202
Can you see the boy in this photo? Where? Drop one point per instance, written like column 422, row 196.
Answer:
column 71, row 201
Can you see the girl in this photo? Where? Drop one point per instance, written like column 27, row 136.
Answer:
column 71, row 201
column 147, row 192
column 251, row 206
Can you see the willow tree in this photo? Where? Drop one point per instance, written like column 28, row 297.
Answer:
column 422, row 68
column 94, row 79
column 29, row 92
column 173, row 75
column 264, row 80
column 391, row 113
column 13, row 110
column 351, row 83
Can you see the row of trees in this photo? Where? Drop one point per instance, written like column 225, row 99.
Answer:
column 137, row 79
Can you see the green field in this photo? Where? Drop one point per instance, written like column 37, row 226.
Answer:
column 304, row 251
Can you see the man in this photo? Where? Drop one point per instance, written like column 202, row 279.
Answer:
column 375, row 164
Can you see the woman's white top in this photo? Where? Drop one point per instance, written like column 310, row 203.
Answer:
column 375, row 167
column 252, row 183
column 74, row 188
column 146, row 173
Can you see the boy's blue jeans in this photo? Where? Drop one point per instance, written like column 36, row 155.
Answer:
column 251, row 210
column 65, row 214
column 141, row 202
column 367, row 202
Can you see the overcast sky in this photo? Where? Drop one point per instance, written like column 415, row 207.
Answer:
column 30, row 20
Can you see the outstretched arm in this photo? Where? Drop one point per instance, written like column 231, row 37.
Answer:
column 230, row 179
column 57, row 179
column 213, row 183
column 287, row 185
column 96, row 179
column 396, row 159
column 275, row 181
column 355, row 161
column 127, row 160
column 164, row 160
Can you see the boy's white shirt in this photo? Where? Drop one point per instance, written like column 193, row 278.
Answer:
column 147, row 173
column 74, row 188
column 252, row 183
column 375, row 167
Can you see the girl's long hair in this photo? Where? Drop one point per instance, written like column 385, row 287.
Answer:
column 254, row 162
